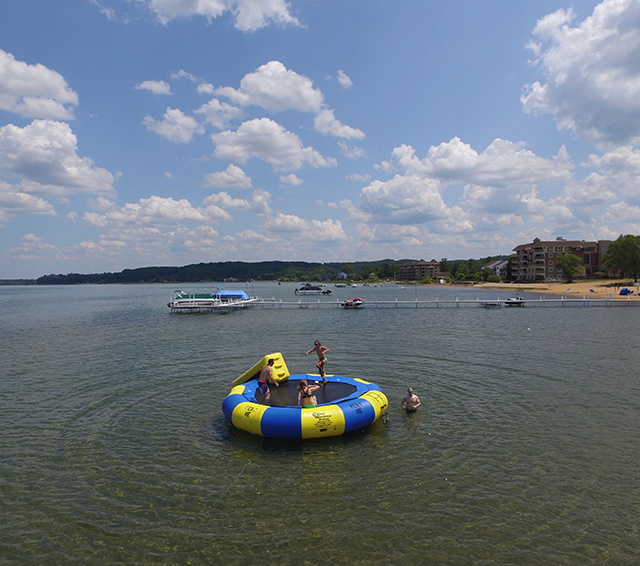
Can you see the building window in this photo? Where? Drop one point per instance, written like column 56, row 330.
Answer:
column 587, row 259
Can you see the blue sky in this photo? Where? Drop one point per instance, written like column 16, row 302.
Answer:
column 169, row 132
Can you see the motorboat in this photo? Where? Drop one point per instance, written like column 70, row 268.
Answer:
column 514, row 301
column 308, row 289
column 356, row 303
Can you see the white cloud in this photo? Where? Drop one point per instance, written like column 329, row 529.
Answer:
column 224, row 200
column 108, row 12
column 233, row 177
column 205, row 88
column 344, row 80
column 174, row 126
column 391, row 234
column 34, row 90
column 622, row 212
column 156, row 211
column 267, row 140
column 312, row 230
column 361, row 177
column 501, row 187
column 592, row 72
column 502, row 163
column 14, row 202
column 405, row 200
column 156, row 87
column 291, row 180
column 275, row 88
column 31, row 244
column 219, row 114
column 326, row 123
column 500, row 200
column 260, row 201
column 101, row 204
column 354, row 152
column 250, row 15
column 44, row 155
column 617, row 174
column 182, row 74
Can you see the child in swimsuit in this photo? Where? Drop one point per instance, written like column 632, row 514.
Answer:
column 305, row 394
column 322, row 358
column 266, row 375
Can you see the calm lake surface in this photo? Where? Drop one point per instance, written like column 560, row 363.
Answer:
column 114, row 448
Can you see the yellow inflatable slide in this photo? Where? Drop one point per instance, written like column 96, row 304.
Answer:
column 280, row 371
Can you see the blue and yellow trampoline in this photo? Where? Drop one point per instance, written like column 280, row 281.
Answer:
column 345, row 404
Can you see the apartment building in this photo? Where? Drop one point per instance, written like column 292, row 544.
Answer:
column 417, row 270
column 537, row 261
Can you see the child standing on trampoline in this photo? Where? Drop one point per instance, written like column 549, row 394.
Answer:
column 322, row 358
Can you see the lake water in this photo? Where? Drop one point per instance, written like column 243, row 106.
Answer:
column 114, row 448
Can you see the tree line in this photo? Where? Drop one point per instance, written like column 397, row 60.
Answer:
column 236, row 270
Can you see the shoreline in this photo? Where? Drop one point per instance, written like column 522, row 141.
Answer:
column 597, row 288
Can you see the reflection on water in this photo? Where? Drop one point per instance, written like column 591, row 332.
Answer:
column 115, row 450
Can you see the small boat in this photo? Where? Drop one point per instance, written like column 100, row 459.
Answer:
column 514, row 302
column 308, row 289
column 356, row 303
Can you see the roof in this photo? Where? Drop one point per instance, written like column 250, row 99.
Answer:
column 547, row 243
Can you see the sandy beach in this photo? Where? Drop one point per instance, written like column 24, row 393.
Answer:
column 594, row 288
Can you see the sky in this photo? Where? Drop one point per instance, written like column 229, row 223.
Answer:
column 141, row 133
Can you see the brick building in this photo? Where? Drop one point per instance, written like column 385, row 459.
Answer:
column 537, row 261
column 417, row 270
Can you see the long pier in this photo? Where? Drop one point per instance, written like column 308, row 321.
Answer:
column 543, row 301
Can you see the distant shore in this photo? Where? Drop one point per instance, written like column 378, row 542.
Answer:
column 595, row 288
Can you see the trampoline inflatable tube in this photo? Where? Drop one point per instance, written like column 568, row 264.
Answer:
column 344, row 404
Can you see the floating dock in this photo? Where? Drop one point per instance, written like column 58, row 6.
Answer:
column 542, row 301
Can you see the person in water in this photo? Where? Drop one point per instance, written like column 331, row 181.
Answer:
column 410, row 402
column 321, row 350
column 266, row 375
column 305, row 394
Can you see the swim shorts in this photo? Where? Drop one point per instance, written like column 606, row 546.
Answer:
column 263, row 386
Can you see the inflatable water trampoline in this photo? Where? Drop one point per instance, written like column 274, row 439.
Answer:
column 344, row 404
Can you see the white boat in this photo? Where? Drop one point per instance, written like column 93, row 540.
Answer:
column 514, row 302
column 308, row 289
column 220, row 301
column 356, row 303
